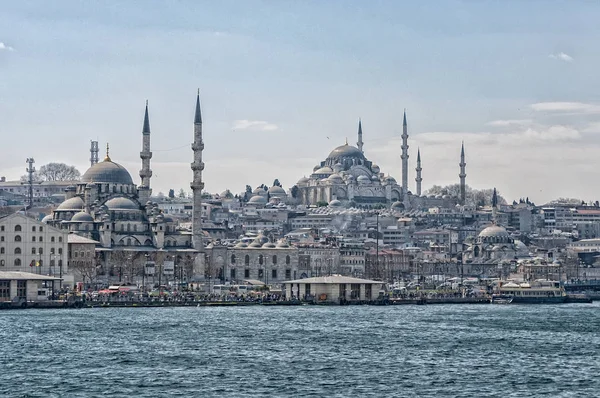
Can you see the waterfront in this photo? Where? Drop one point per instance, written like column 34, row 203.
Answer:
column 442, row 351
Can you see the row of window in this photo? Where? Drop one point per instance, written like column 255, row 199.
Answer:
column 261, row 273
column 17, row 262
column 19, row 229
column 33, row 250
column 33, row 239
column 261, row 259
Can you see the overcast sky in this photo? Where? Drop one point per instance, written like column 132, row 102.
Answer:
column 282, row 83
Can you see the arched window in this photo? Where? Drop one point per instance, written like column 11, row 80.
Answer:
column 81, row 253
column 1, row 250
column 40, row 250
column 17, row 262
column 128, row 227
column 233, row 259
column 288, row 260
column 33, row 229
column 41, row 239
column 60, row 250
column 128, row 241
column 33, row 238
column 60, row 239
column 32, row 250
column 17, row 250
column 52, row 239
column 274, row 259
column 17, row 228
column 51, row 250
column 260, row 259
column 247, row 260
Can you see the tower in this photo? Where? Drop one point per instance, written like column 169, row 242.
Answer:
column 359, row 144
column 404, row 156
column 494, row 207
column 94, row 152
column 462, row 175
column 144, row 190
column 418, row 170
column 30, row 170
column 197, row 185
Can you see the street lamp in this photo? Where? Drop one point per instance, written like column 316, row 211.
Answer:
column 144, row 272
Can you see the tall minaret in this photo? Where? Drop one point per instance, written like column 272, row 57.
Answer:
column 462, row 175
column 404, row 156
column 197, row 185
column 144, row 191
column 495, row 207
column 419, row 169
column 359, row 144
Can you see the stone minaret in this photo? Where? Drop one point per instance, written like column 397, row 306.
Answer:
column 404, row 156
column 495, row 207
column 359, row 144
column 462, row 175
column 418, row 170
column 197, row 185
column 144, row 191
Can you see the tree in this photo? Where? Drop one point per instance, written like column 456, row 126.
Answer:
column 171, row 193
column 59, row 172
column 182, row 194
column 322, row 203
column 276, row 183
column 247, row 193
column 478, row 197
column 294, row 191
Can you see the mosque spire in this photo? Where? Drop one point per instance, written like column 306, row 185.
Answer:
column 198, row 115
column 144, row 191
column 197, row 184
column 107, row 158
column 419, row 179
column 146, row 128
column 359, row 144
column 463, row 174
column 404, row 155
column 495, row 207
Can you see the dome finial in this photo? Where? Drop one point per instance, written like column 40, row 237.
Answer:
column 346, row 140
column 107, row 158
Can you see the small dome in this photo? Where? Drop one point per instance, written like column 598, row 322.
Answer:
column 335, row 203
column 227, row 194
column 107, row 171
column 375, row 169
column 397, row 205
column 258, row 200
column 363, row 178
column 276, row 190
column 390, row 180
column 241, row 245
column 324, row 170
column 82, row 216
column 282, row 244
column 375, row 178
column 336, row 179
column 269, row 245
column 75, row 203
column 121, row 203
column 255, row 244
column 258, row 191
column 338, row 167
column 47, row 218
column 303, row 181
column 493, row 231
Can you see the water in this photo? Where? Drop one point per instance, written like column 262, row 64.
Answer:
column 403, row 351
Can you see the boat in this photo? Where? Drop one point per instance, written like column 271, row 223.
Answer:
column 501, row 298
column 537, row 292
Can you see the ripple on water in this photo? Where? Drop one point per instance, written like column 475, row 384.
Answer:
column 420, row 351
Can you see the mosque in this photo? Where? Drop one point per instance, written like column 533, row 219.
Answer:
column 108, row 207
column 347, row 178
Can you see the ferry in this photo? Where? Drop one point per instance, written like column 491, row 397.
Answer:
column 501, row 298
column 537, row 292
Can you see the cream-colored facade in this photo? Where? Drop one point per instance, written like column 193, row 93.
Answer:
column 333, row 289
column 25, row 241
column 22, row 287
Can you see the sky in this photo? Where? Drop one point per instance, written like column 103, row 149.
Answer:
column 282, row 83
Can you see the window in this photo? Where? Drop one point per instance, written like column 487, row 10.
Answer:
column 261, row 273
column 233, row 259
column 232, row 273
column 17, row 228
column 246, row 273
column 32, row 250
column 274, row 259
column 60, row 239
column 33, row 238
column 288, row 260
column 1, row 250
column 2, row 263
column 33, row 229
column 41, row 229
column 40, row 250
column 260, row 259
column 274, row 273
column 75, row 254
column 41, row 239
column 4, row 290
column 247, row 261
column 17, row 262
column 288, row 274
column 22, row 289
column 51, row 250
column 17, row 250
column 52, row 239
column 1, row 238
column 60, row 251
column 17, row 238
column 2, row 228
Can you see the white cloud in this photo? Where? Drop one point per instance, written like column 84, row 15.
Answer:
column 565, row 107
column 5, row 47
column 254, row 125
column 562, row 57
column 507, row 123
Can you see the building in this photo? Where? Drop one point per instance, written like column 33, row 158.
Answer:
column 335, row 289
column 82, row 258
column 20, row 288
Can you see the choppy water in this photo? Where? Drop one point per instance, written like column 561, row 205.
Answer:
column 404, row 351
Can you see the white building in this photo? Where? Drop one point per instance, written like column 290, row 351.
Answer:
column 333, row 289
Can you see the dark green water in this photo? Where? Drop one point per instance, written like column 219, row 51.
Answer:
column 400, row 351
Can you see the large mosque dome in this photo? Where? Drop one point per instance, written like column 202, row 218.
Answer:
column 107, row 171
column 346, row 151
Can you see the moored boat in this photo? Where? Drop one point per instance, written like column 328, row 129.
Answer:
column 501, row 298
column 537, row 292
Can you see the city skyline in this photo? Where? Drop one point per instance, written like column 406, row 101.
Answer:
column 282, row 84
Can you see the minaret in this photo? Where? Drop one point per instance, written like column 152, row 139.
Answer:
column 419, row 169
column 495, row 207
column 404, row 156
column 359, row 144
column 197, row 185
column 144, row 191
column 462, row 175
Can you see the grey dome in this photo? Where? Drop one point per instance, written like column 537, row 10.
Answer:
column 269, row 245
column 324, row 170
column 47, row 218
column 257, row 199
column 336, row 178
column 362, row 178
column 346, row 151
column 75, row 203
column 107, row 171
column 303, row 180
column 276, row 190
column 335, row 203
column 227, row 194
column 82, row 216
column 121, row 203
column 493, row 231
column 398, row 205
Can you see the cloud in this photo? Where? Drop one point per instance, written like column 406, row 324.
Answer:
column 566, row 107
column 5, row 47
column 562, row 57
column 254, row 125
column 507, row 123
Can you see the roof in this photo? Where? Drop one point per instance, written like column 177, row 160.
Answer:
column 334, row 279
column 107, row 171
column 73, row 238
column 25, row 276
